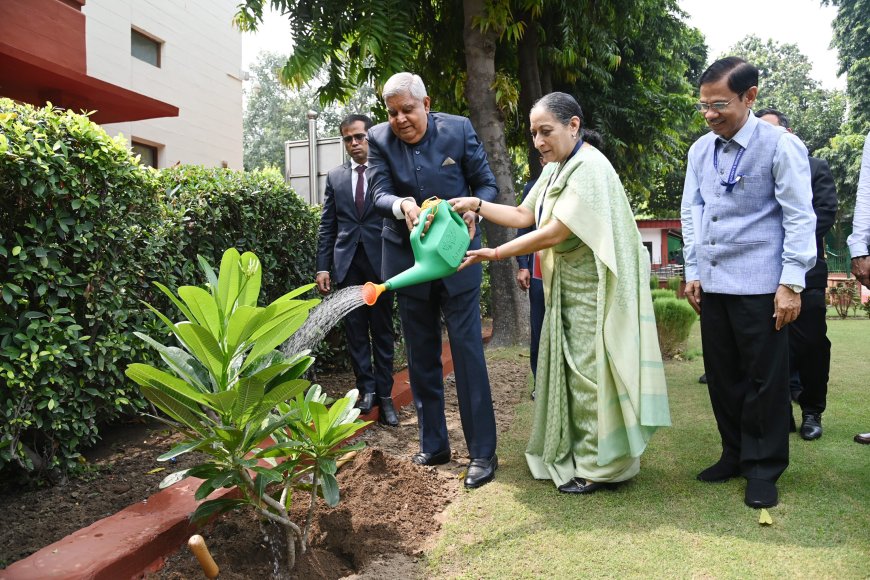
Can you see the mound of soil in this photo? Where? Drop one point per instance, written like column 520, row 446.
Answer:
column 390, row 509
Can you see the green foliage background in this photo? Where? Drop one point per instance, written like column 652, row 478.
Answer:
column 84, row 230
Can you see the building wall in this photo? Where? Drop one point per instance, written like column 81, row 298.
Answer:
column 200, row 73
column 654, row 237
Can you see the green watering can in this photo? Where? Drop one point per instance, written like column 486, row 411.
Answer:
column 436, row 255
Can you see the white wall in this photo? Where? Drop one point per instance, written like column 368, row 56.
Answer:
column 200, row 74
column 654, row 236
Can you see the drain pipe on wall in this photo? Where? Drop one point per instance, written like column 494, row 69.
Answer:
column 312, row 157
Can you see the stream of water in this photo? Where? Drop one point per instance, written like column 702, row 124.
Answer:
column 322, row 318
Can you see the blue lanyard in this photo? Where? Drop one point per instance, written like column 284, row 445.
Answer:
column 731, row 182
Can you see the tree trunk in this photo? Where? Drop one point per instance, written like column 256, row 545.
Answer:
column 530, row 86
column 510, row 319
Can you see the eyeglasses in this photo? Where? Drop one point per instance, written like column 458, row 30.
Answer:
column 358, row 137
column 717, row 106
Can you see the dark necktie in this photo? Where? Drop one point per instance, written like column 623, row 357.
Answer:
column 359, row 196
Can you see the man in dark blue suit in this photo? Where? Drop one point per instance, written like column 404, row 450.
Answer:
column 529, row 279
column 416, row 155
column 349, row 244
column 809, row 347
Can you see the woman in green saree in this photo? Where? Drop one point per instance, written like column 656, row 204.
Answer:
column 600, row 389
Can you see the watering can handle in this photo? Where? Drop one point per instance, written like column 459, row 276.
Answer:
column 418, row 229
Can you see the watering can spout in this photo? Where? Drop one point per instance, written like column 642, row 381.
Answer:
column 436, row 255
column 371, row 291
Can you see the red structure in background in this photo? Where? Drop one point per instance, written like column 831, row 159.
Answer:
column 43, row 58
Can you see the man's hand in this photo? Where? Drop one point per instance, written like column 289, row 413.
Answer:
column 323, row 283
column 693, row 294
column 524, row 279
column 786, row 306
column 412, row 216
column 861, row 269
column 470, row 219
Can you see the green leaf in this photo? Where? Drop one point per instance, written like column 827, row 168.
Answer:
column 209, row 273
column 204, row 347
column 173, row 478
column 208, row 509
column 182, row 449
column 329, row 488
column 243, row 322
column 203, row 307
column 184, row 310
column 229, row 280
column 222, row 402
column 146, row 375
column 182, row 362
column 250, row 393
column 253, row 274
column 172, row 407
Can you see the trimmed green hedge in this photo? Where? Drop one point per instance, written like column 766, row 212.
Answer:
column 674, row 320
column 84, row 230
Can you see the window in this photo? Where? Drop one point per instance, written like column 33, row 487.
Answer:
column 145, row 48
column 147, row 153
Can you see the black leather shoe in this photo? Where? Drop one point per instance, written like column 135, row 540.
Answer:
column 811, row 428
column 480, row 471
column 760, row 493
column 439, row 458
column 365, row 403
column 703, row 379
column 720, row 471
column 388, row 416
column 863, row 438
column 580, row 485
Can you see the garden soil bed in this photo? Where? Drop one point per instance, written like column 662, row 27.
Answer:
column 390, row 510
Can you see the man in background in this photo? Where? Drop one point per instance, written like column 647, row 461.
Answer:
column 349, row 245
column 809, row 347
column 859, row 241
column 529, row 279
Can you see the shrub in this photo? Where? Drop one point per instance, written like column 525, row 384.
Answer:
column 674, row 319
column 84, row 230
column 663, row 293
column 674, row 284
column 75, row 217
column 653, row 282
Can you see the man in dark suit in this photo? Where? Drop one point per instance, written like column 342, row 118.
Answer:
column 349, row 244
column 809, row 347
column 529, row 279
column 416, row 155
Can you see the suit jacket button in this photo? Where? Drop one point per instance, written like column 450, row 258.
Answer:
column 714, row 218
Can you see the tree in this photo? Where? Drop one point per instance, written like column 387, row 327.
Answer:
column 852, row 39
column 629, row 62
column 785, row 84
column 275, row 113
column 843, row 153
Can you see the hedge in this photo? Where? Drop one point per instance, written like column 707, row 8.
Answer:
column 674, row 320
column 84, row 231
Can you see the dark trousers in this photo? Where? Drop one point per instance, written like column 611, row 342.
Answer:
column 746, row 360
column 369, row 333
column 421, row 325
column 810, row 351
column 536, row 319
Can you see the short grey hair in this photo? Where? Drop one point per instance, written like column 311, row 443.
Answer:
column 404, row 83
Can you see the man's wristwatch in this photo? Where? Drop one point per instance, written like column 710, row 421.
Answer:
column 794, row 288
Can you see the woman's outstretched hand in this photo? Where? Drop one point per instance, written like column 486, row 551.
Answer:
column 464, row 204
column 475, row 256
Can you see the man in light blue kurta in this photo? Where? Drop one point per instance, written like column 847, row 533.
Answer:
column 749, row 235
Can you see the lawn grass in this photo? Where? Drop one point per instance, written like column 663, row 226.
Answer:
column 665, row 523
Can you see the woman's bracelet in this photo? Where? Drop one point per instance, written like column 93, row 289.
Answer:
column 479, row 205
